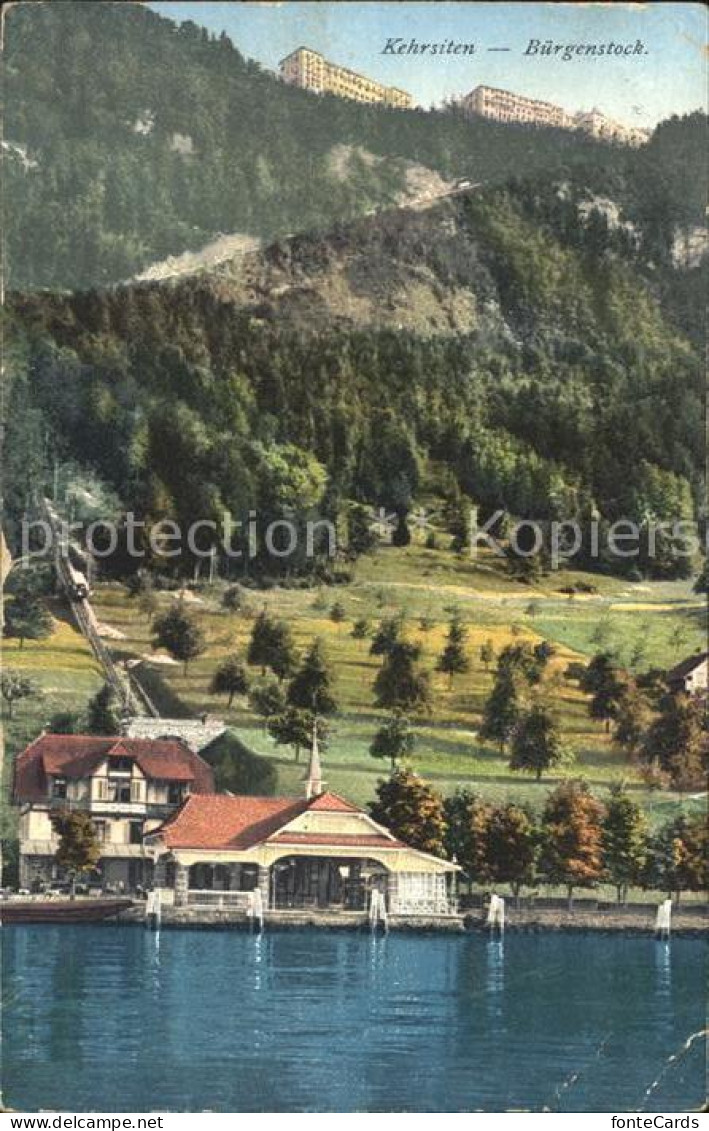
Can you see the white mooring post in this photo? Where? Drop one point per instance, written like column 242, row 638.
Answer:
column 153, row 910
column 255, row 908
column 663, row 920
column 496, row 914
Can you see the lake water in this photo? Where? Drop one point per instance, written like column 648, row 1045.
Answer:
column 113, row 1018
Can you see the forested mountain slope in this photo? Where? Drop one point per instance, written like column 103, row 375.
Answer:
column 508, row 343
column 129, row 138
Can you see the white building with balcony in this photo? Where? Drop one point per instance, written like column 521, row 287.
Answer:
column 129, row 786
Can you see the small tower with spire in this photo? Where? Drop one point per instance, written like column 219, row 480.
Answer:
column 314, row 784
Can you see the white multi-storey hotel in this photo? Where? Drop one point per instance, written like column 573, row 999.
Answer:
column 505, row 106
column 310, row 70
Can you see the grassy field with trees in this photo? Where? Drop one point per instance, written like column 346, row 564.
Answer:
column 427, row 589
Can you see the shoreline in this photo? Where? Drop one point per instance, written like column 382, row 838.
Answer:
column 686, row 923
column 689, row 921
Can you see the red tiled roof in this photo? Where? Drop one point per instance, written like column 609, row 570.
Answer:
column 332, row 802
column 76, row 755
column 220, row 821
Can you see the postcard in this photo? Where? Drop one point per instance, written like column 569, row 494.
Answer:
column 355, row 667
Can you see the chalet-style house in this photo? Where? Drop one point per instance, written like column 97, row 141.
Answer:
column 691, row 676
column 128, row 785
column 317, row 852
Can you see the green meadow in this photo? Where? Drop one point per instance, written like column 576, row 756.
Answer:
column 645, row 624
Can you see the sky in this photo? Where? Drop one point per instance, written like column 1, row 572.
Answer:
column 641, row 89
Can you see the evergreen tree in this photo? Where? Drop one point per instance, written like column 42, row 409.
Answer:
column 487, row 653
column 401, row 535
column 179, row 634
column 388, row 633
column 271, row 646
column 572, row 837
column 312, row 685
column 230, row 678
column 360, row 629
column 103, row 714
column 400, row 685
column 267, row 698
column 536, row 743
column 502, row 710
column 412, row 810
column 453, row 659
column 624, row 840
column 361, row 538
column 393, row 740
column 606, row 685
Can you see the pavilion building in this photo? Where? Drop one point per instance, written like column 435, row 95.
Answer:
column 319, row 851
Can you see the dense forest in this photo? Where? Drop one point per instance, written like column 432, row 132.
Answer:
column 129, row 138
column 562, row 390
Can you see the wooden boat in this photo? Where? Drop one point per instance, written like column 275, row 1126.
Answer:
column 62, row 910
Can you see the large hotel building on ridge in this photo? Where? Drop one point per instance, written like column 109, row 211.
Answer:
column 310, row 70
column 504, row 106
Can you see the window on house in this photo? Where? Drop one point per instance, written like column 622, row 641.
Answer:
column 174, row 793
column 136, row 832
column 100, row 827
column 118, row 790
column 118, row 764
column 59, row 788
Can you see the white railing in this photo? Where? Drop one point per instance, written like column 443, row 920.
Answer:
column 234, row 900
column 422, row 894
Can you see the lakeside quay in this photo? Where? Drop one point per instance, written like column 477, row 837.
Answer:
column 690, row 921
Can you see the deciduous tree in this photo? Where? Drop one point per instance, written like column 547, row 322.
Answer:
column 14, row 686
column 677, row 741
column 572, row 837
column 179, row 634
column 411, row 809
column 512, row 846
column 79, row 849
column 230, row 678
column 271, row 646
column 394, row 740
column 536, row 742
